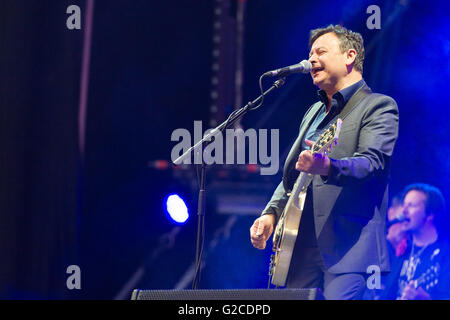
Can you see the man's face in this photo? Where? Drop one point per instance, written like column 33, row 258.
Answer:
column 414, row 209
column 329, row 63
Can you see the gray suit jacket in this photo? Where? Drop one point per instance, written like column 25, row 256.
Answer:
column 350, row 204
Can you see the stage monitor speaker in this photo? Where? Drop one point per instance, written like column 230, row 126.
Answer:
column 237, row 294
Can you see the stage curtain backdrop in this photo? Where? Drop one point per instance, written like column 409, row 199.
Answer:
column 40, row 61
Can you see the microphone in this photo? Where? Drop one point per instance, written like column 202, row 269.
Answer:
column 304, row 67
column 400, row 217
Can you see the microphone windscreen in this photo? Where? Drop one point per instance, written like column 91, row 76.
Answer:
column 307, row 66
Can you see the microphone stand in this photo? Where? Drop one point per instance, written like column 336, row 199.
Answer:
column 202, row 193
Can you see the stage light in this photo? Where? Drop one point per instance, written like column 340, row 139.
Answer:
column 176, row 208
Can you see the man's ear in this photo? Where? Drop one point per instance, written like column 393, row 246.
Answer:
column 430, row 217
column 350, row 57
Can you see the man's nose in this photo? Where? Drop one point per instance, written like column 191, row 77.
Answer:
column 314, row 61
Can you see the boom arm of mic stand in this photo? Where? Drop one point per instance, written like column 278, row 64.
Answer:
column 227, row 123
column 202, row 193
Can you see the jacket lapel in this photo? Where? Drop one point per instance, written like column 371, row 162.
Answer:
column 295, row 150
column 355, row 100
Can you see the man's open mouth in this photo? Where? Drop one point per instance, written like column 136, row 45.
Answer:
column 316, row 70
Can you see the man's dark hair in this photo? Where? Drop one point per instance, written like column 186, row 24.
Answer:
column 435, row 203
column 348, row 40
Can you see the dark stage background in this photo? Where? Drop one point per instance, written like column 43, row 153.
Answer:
column 84, row 188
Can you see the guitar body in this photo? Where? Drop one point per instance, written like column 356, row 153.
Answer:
column 286, row 230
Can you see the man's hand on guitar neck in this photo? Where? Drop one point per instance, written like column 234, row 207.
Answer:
column 313, row 163
column 261, row 230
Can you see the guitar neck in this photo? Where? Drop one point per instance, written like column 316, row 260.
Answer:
column 302, row 182
column 304, row 179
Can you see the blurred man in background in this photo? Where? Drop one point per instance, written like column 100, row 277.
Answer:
column 420, row 270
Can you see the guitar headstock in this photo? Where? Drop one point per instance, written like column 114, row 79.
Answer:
column 328, row 139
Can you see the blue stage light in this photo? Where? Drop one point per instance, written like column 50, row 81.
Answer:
column 177, row 209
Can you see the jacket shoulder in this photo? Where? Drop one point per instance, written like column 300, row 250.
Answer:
column 381, row 99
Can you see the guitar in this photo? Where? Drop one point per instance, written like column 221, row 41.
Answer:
column 429, row 278
column 286, row 230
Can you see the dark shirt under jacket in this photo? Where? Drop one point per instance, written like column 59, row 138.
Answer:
column 323, row 119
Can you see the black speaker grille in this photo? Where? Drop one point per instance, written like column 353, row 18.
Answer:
column 241, row 294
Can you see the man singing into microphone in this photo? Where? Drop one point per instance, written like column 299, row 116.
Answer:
column 342, row 230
